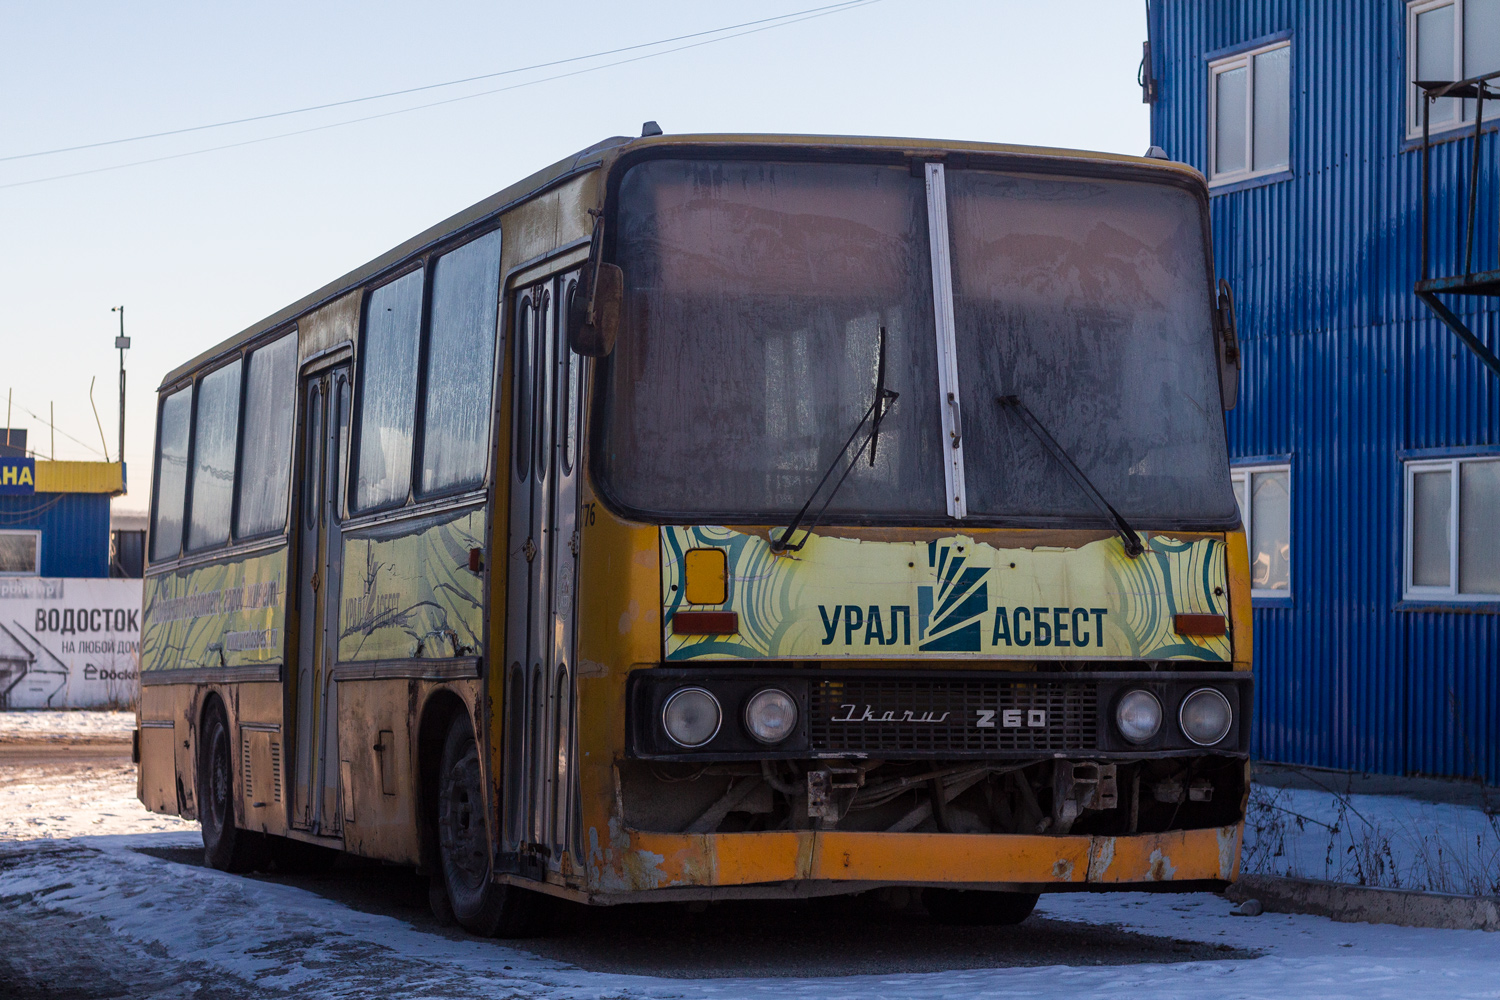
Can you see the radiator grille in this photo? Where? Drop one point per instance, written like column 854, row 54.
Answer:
column 945, row 716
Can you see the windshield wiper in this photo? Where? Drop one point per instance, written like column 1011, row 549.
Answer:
column 877, row 410
column 1133, row 546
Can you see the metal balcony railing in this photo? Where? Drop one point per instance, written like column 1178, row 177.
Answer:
column 1465, row 280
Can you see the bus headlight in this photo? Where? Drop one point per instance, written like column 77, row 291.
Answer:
column 771, row 715
column 1205, row 717
column 1138, row 716
column 691, row 717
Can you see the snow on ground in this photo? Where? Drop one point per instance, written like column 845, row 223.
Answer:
column 48, row 801
column 68, row 774
column 1380, row 840
column 239, row 936
column 23, row 724
column 281, row 938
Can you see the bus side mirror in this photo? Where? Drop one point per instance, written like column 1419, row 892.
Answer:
column 1228, row 346
column 594, row 317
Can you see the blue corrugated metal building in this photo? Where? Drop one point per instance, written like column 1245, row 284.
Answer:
column 1366, row 441
column 55, row 516
column 69, row 532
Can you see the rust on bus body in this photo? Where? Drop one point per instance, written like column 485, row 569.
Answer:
column 632, row 861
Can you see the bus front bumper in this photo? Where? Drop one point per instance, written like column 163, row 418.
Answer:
column 633, row 862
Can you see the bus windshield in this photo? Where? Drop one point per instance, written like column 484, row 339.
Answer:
column 756, row 293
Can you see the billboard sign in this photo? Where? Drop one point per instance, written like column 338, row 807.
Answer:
column 69, row 643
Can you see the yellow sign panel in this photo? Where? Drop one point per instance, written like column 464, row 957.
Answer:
column 953, row 597
column 80, row 477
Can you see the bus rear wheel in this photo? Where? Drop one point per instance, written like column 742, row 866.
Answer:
column 480, row 905
column 225, row 846
column 976, row 908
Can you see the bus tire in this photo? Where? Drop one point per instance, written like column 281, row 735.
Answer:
column 977, row 908
column 225, row 846
column 480, row 905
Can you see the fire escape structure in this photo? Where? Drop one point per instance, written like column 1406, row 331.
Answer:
column 1466, row 281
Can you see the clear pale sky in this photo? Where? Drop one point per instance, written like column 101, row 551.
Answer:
column 199, row 247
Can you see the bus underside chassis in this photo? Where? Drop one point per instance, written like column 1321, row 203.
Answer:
column 1051, row 796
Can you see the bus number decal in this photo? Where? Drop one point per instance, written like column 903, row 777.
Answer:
column 1010, row 718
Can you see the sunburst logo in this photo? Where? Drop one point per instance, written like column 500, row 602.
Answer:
column 949, row 614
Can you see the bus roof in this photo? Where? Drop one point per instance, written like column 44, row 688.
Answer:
column 602, row 154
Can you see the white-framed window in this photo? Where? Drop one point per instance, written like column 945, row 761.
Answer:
column 1449, row 40
column 1264, row 493
column 1250, row 113
column 1452, row 550
column 20, row 553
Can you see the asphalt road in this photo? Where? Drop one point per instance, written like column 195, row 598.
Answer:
column 61, row 756
column 51, row 956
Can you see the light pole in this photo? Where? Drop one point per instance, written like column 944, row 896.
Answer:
column 122, row 343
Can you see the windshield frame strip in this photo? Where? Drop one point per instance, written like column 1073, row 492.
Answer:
column 949, row 400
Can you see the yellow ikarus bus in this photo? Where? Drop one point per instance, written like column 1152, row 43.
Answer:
column 723, row 517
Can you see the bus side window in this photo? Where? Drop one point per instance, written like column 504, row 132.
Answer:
column 460, row 365
column 524, row 345
column 266, row 455
column 569, row 380
column 339, row 480
column 215, row 433
column 171, row 474
column 562, row 746
column 543, row 387
column 388, row 392
column 312, row 483
column 515, row 755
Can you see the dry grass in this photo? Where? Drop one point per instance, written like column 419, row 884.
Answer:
column 1372, row 840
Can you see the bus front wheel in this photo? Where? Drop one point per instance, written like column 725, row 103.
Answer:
column 225, row 846
column 480, row 905
column 973, row 907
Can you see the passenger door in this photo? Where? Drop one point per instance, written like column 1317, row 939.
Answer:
column 542, row 571
column 325, row 437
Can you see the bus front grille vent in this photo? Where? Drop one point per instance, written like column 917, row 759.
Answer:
column 941, row 716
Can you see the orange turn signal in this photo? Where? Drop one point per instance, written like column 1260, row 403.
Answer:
column 705, row 576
